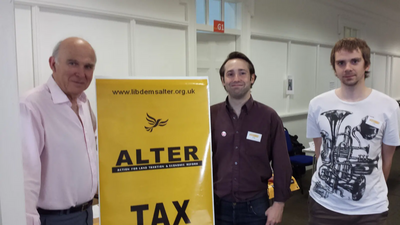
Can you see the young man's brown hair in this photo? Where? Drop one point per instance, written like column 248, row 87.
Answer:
column 352, row 44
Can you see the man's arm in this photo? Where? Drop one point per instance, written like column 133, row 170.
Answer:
column 317, row 144
column 387, row 157
column 274, row 213
column 282, row 171
column 32, row 146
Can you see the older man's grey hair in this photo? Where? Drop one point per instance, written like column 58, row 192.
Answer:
column 56, row 50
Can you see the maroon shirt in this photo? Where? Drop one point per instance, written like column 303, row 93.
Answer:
column 241, row 167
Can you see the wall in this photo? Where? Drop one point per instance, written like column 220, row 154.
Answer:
column 159, row 38
column 295, row 38
column 318, row 20
column 141, row 38
column 131, row 38
column 12, row 207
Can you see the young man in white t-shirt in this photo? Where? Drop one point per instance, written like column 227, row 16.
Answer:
column 358, row 128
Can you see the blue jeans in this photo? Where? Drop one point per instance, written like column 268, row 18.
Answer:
column 241, row 213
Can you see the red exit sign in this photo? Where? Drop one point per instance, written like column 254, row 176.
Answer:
column 219, row 26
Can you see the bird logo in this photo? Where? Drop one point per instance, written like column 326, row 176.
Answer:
column 154, row 123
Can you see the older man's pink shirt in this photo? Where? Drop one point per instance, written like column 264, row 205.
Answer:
column 59, row 152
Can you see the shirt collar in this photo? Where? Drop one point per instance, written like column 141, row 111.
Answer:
column 247, row 106
column 58, row 96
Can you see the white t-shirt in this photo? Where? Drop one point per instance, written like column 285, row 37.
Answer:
column 349, row 177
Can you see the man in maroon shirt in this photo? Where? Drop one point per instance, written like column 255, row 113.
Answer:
column 246, row 137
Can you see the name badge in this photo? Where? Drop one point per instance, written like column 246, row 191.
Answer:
column 254, row 136
column 373, row 122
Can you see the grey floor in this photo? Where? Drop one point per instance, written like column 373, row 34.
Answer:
column 296, row 210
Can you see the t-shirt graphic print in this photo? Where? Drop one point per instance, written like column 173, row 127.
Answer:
column 345, row 157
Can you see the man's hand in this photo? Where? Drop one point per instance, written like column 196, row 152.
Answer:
column 274, row 213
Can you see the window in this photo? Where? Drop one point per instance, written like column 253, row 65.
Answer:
column 350, row 32
column 350, row 27
column 215, row 11
column 209, row 10
column 230, row 14
column 201, row 11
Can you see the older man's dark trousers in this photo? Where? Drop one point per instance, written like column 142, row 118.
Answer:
column 77, row 218
column 241, row 213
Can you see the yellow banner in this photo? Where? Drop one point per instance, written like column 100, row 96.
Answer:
column 154, row 151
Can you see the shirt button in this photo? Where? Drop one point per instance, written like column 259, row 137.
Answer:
column 237, row 132
column 235, row 163
column 234, row 117
column 236, row 147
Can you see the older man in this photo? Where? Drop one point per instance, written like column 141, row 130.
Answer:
column 58, row 140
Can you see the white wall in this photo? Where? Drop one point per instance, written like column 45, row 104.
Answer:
column 270, row 62
column 212, row 50
column 158, row 38
column 12, row 207
column 318, row 20
column 142, row 38
column 306, row 31
column 131, row 38
column 173, row 10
